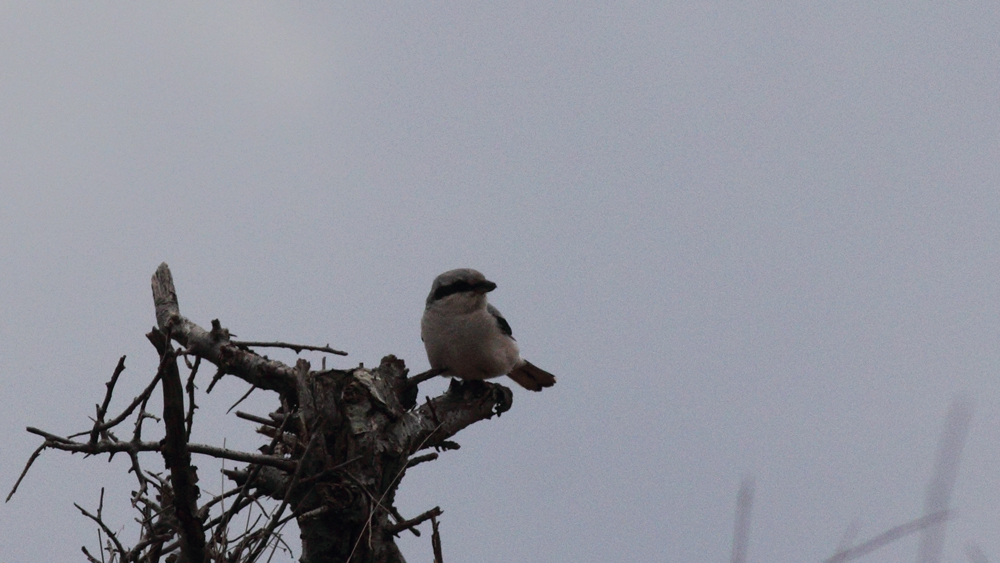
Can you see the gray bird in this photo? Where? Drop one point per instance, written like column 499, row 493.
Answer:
column 468, row 337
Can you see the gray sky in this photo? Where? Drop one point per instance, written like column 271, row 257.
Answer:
column 750, row 240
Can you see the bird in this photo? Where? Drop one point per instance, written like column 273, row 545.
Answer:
column 468, row 338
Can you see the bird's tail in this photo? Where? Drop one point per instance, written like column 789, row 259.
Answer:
column 532, row 377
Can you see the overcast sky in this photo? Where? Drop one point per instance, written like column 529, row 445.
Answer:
column 751, row 240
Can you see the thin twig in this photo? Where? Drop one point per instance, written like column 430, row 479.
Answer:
column 141, row 399
column 103, row 409
column 436, row 541
column 107, row 447
column 257, row 419
column 395, row 529
column 888, row 537
column 245, row 489
column 189, row 387
column 741, row 528
column 118, row 546
column 241, row 399
column 269, row 529
column 297, row 347
column 24, row 472
column 90, row 557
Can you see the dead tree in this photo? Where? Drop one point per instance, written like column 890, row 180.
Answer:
column 340, row 441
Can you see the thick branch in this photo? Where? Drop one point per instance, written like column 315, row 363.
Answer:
column 176, row 455
column 444, row 416
column 215, row 346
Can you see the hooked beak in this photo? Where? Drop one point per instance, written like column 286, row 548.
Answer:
column 484, row 287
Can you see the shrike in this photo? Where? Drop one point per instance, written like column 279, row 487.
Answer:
column 468, row 337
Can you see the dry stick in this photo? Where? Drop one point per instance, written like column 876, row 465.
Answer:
column 297, row 347
column 141, row 399
column 399, row 518
column 251, row 477
column 105, row 447
column 24, row 472
column 219, row 374
column 189, row 421
column 269, row 529
column 938, row 493
column 741, row 531
column 90, row 557
column 143, row 415
column 395, row 529
column 100, row 514
column 888, row 537
column 240, row 504
column 241, row 399
column 137, row 469
column 103, row 409
column 258, row 419
column 436, row 541
column 420, row 459
column 100, row 522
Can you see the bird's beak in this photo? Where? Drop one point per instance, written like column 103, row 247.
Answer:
column 484, row 287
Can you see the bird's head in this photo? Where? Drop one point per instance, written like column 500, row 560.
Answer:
column 463, row 289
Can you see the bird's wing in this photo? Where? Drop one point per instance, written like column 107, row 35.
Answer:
column 502, row 322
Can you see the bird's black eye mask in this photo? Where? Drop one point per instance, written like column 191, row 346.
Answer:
column 452, row 288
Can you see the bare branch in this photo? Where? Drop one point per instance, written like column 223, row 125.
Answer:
column 395, row 529
column 269, row 529
column 189, row 387
column 140, row 399
column 938, row 494
column 741, row 531
column 241, row 399
column 888, row 537
column 442, row 417
column 24, row 472
column 436, row 541
column 176, row 455
column 215, row 346
column 103, row 409
column 297, row 347
column 421, row 459
column 107, row 447
column 122, row 552
column 258, row 419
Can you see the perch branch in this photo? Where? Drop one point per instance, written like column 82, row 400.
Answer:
column 442, row 417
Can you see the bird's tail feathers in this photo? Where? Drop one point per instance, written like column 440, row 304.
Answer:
column 532, row 377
